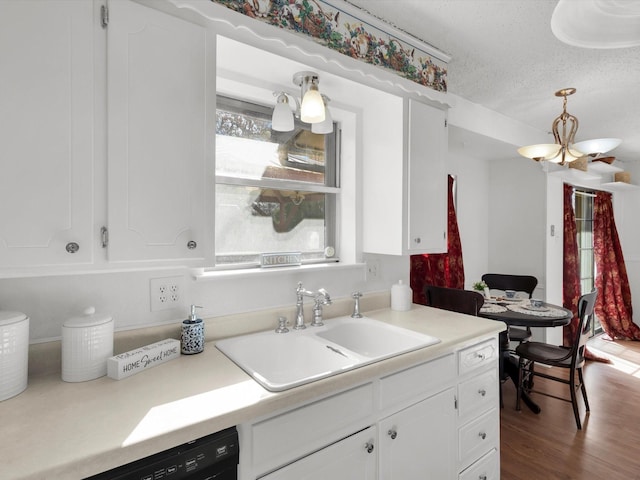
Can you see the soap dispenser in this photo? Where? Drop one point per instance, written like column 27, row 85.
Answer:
column 192, row 333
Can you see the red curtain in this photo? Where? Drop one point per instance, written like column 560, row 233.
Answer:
column 440, row 269
column 571, row 290
column 570, row 268
column 613, row 304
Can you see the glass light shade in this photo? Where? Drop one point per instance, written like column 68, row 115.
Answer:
column 569, row 156
column 597, row 146
column 312, row 109
column 326, row 126
column 542, row 151
column 282, row 118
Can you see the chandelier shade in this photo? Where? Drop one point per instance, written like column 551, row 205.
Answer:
column 564, row 129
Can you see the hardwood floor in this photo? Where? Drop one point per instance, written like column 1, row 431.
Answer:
column 549, row 447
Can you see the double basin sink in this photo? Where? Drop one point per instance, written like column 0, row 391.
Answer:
column 279, row 361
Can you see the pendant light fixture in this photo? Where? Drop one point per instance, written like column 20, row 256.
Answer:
column 312, row 108
column 564, row 129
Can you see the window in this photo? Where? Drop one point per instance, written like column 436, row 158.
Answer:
column 275, row 191
column 583, row 208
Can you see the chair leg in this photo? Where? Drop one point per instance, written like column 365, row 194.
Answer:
column 519, row 385
column 584, row 389
column 574, row 399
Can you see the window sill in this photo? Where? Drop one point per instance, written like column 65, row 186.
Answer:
column 201, row 274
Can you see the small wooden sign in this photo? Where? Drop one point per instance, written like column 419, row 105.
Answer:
column 135, row 361
column 280, row 259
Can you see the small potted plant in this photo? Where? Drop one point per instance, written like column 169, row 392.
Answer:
column 482, row 288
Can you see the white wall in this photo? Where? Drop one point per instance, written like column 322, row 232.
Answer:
column 472, row 197
column 517, row 224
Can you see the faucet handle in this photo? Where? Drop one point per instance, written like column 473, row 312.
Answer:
column 356, row 306
column 282, row 325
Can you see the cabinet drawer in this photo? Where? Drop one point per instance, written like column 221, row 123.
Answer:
column 477, row 356
column 416, row 382
column 478, row 437
column 283, row 438
column 478, row 394
column 487, row 468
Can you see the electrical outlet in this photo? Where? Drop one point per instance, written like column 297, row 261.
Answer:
column 166, row 293
column 373, row 269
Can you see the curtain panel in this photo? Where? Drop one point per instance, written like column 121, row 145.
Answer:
column 571, row 266
column 440, row 269
column 571, row 289
column 613, row 304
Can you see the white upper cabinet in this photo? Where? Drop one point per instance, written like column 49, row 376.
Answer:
column 46, row 133
column 427, row 185
column 160, row 88
column 404, row 179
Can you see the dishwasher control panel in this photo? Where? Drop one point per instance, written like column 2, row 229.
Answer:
column 212, row 457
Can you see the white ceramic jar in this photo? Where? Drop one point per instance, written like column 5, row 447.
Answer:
column 14, row 353
column 87, row 343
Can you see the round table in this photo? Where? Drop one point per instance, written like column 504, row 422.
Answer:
column 521, row 319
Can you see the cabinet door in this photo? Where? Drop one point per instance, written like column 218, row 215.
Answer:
column 46, row 132
column 353, row 458
column 419, row 442
column 427, row 183
column 159, row 83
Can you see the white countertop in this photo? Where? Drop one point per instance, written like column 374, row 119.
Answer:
column 65, row 430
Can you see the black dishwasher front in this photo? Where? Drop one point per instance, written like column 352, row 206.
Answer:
column 212, row 457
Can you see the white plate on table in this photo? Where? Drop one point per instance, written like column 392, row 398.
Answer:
column 535, row 309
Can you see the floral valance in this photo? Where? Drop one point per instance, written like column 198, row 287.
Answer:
column 348, row 34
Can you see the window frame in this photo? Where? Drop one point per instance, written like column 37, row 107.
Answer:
column 331, row 192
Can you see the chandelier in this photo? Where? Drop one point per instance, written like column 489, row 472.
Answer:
column 564, row 129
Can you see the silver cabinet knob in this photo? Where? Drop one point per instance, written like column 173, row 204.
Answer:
column 482, row 435
column 368, row 447
column 417, row 240
column 72, row 247
column 393, row 434
column 191, row 245
column 482, row 392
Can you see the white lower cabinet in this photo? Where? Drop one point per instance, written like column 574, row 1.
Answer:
column 353, row 458
column 419, row 442
column 435, row 420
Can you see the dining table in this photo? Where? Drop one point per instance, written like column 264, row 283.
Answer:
column 520, row 312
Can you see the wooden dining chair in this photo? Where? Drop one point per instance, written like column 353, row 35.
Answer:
column 461, row 301
column 519, row 283
column 571, row 358
column 454, row 299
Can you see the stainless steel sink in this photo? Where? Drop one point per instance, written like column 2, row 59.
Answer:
column 279, row 361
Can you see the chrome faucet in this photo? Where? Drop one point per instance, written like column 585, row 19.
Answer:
column 356, row 305
column 321, row 298
column 300, row 294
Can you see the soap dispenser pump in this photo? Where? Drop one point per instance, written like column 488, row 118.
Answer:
column 192, row 333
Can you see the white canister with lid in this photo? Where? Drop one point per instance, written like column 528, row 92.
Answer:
column 401, row 297
column 14, row 353
column 87, row 343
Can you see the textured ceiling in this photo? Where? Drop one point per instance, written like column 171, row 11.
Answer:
column 505, row 57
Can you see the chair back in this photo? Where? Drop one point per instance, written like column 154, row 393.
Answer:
column 586, row 306
column 503, row 281
column 453, row 299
